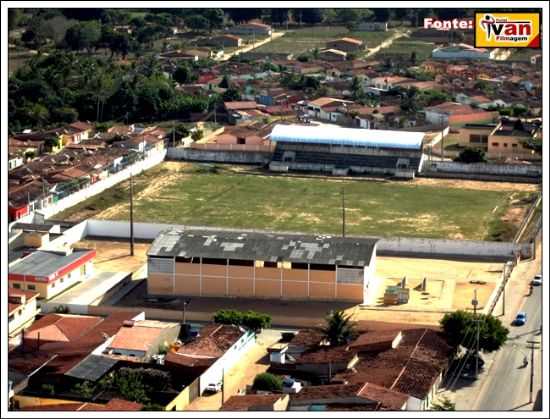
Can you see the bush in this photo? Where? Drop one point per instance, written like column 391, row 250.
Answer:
column 471, row 155
column 267, row 382
column 250, row 319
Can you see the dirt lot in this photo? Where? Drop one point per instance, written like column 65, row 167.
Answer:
column 448, row 283
column 114, row 256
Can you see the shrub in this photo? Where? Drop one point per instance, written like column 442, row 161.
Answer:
column 267, row 382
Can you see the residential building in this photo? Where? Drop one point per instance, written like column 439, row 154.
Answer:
column 462, row 52
column 332, row 54
column 360, row 396
column 261, row 265
column 385, row 83
column 455, row 114
column 372, row 26
column 217, row 349
column 326, row 108
column 252, row 28
column 475, row 135
column 346, row 45
column 139, row 340
column 257, row 402
column 49, row 272
column 509, row 140
column 113, row 405
column 22, row 310
column 224, row 40
column 240, row 111
column 15, row 161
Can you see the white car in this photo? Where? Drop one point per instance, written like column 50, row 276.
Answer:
column 213, row 387
column 537, row 280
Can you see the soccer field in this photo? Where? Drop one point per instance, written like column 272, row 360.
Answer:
column 227, row 196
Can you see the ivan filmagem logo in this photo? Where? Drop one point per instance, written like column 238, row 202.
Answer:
column 507, row 30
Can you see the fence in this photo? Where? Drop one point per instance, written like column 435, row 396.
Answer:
column 529, row 170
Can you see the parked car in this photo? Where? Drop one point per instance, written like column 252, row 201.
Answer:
column 521, row 319
column 291, row 386
column 213, row 387
column 537, row 280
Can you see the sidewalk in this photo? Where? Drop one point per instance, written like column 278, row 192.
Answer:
column 516, row 292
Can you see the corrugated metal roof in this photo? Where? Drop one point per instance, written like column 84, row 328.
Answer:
column 333, row 134
column 264, row 246
column 45, row 263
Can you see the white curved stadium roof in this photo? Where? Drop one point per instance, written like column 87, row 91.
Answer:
column 333, row 134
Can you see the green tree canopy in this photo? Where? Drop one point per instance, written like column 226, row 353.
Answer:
column 267, row 382
column 83, row 35
column 471, row 155
column 339, row 329
column 460, row 326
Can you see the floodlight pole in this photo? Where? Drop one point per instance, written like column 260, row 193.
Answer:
column 343, row 214
column 131, row 214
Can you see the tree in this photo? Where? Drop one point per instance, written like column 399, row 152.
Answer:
column 339, row 330
column 84, row 35
column 461, row 324
column 413, row 58
column 311, row 16
column 183, row 74
column 85, row 389
column 267, row 382
column 471, row 155
column 381, row 14
column 14, row 18
column 239, row 15
column 224, row 84
column 444, row 405
column 279, row 15
column 197, row 23
column 214, row 17
column 197, row 135
column 231, row 95
column 250, row 319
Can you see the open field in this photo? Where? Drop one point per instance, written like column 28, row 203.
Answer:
column 297, row 41
column 227, row 196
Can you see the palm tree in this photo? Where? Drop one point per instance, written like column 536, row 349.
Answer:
column 339, row 329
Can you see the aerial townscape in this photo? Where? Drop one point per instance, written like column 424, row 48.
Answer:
column 272, row 209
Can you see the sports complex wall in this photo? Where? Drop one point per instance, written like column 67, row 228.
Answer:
column 225, row 156
column 396, row 246
column 484, row 168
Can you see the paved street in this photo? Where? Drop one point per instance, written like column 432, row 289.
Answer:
column 507, row 383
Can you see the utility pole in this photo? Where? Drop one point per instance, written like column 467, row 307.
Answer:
column 131, row 214
column 532, row 346
column 173, row 133
column 343, row 214
column 475, row 303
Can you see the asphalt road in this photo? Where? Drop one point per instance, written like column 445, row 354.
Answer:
column 507, row 385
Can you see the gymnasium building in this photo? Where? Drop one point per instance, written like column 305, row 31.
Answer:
column 214, row 263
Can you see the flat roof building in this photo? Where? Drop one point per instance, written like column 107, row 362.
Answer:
column 218, row 263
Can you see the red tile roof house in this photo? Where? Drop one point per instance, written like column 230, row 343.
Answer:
column 347, row 44
column 62, row 349
column 113, row 405
column 455, row 114
column 365, row 397
column 325, row 108
column 49, row 272
column 21, row 310
column 257, row 402
column 404, row 359
column 25, row 198
column 217, row 349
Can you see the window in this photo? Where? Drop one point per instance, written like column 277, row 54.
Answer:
column 17, row 286
column 270, row 264
column 505, row 145
column 214, row 261
column 31, row 287
column 20, row 311
column 241, row 140
column 240, row 262
column 494, row 144
column 514, row 146
column 61, row 280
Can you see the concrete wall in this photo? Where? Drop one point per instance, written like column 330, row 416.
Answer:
column 484, row 168
column 187, row 153
column 21, row 316
column 474, row 249
column 395, row 246
column 231, row 357
column 69, row 236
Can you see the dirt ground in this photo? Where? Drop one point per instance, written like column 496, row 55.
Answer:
column 448, row 283
column 114, row 256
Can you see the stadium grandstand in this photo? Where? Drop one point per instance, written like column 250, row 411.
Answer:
column 340, row 151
